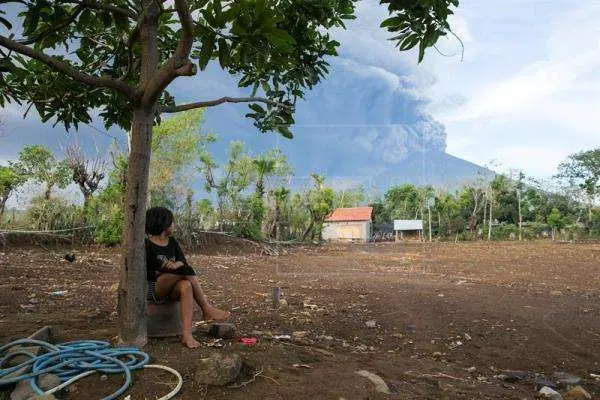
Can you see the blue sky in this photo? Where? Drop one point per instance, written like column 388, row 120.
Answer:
column 526, row 95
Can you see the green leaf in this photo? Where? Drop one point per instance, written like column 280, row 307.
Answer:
column 6, row 23
column 255, row 88
column 257, row 108
column 279, row 38
column 218, row 11
column 421, row 50
column 409, row 42
column 393, row 21
column 224, row 53
column 106, row 19
column 285, row 132
column 206, row 52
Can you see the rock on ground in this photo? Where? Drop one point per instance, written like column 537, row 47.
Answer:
column 577, row 393
column 24, row 391
column 551, row 394
column 379, row 383
column 218, row 370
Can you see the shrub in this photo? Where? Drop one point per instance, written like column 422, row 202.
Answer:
column 52, row 214
column 105, row 213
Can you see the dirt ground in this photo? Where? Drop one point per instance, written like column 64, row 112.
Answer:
column 435, row 321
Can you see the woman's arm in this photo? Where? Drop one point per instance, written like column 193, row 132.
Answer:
column 179, row 256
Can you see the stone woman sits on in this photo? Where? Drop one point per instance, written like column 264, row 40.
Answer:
column 170, row 277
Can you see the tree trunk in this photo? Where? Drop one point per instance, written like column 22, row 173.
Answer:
column 520, row 216
column 132, row 289
column 490, row 224
column 484, row 221
column 309, row 229
column 131, row 301
column 48, row 191
column 2, row 205
column 260, row 187
column 87, row 196
column 277, row 222
column 590, row 215
column 429, row 212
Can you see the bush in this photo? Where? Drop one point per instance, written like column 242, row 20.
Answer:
column 503, row 231
column 109, row 227
column 105, row 213
column 53, row 214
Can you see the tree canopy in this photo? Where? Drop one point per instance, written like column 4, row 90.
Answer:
column 118, row 57
column 276, row 49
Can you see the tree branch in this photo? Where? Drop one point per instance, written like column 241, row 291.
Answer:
column 68, row 70
column 179, row 63
column 212, row 103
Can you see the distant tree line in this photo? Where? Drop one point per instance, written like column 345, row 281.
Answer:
column 251, row 196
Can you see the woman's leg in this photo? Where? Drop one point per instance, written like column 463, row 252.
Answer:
column 209, row 312
column 184, row 293
column 165, row 283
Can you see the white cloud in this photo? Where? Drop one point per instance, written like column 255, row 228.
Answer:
column 531, row 85
column 524, row 91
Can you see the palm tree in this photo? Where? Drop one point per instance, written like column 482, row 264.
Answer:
column 280, row 195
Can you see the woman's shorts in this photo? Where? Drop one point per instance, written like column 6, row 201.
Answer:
column 154, row 298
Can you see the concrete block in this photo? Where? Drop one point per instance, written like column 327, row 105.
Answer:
column 164, row 320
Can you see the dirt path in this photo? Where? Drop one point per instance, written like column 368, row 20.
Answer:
column 447, row 317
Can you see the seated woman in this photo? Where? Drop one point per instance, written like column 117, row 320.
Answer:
column 171, row 277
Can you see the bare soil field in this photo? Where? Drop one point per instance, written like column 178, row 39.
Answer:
column 434, row 321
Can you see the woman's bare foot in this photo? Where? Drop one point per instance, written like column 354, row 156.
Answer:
column 214, row 314
column 190, row 342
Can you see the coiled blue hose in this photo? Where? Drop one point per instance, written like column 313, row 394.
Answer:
column 70, row 359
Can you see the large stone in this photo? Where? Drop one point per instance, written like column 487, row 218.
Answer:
column 378, row 381
column 21, row 358
column 222, row 330
column 577, row 393
column 44, row 334
column 548, row 393
column 218, row 370
column 24, row 391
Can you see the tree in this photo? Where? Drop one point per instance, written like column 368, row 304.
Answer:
column 38, row 164
column 351, row 197
column 519, row 186
column 271, row 163
column 230, row 181
column 118, row 57
column 403, row 202
column 177, row 144
column 87, row 173
column 280, row 196
column 319, row 202
column 583, row 169
column 10, row 180
column 555, row 221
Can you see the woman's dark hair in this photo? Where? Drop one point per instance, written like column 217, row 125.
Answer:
column 158, row 219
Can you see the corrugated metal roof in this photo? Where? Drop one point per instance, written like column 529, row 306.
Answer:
column 408, row 224
column 350, row 214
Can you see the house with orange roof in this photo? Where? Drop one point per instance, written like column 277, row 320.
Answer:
column 349, row 224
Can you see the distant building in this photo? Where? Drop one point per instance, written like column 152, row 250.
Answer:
column 408, row 229
column 349, row 224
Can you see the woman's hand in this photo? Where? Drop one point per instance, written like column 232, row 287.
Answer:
column 174, row 264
